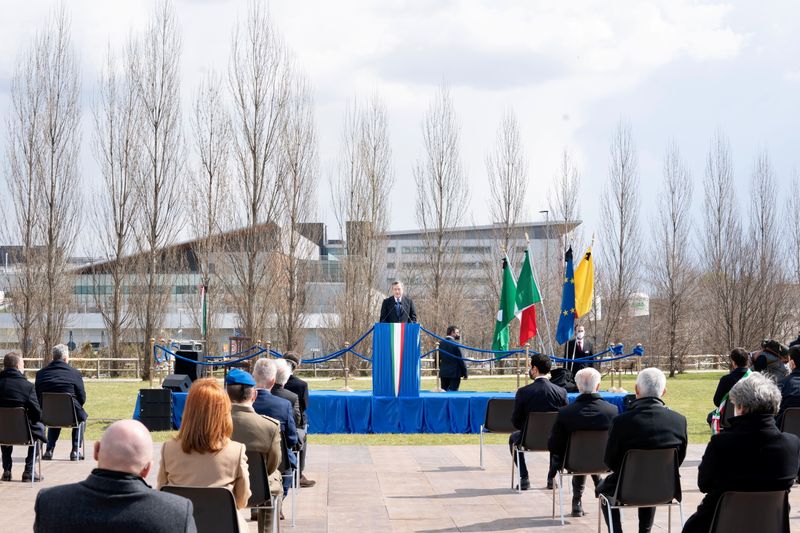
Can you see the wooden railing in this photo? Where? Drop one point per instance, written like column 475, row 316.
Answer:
column 94, row 366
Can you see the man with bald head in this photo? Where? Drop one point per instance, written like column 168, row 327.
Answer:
column 115, row 496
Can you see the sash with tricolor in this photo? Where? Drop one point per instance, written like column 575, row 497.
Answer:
column 719, row 412
column 395, row 360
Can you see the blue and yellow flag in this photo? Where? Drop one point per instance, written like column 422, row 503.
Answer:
column 566, row 319
column 584, row 284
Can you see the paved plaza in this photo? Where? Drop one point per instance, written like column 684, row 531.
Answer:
column 430, row 489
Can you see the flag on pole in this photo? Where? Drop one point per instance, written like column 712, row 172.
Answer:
column 584, row 284
column 507, row 309
column 527, row 298
column 204, row 307
column 566, row 320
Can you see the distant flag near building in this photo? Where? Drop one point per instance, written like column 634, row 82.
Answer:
column 566, row 319
column 584, row 284
column 527, row 298
column 507, row 309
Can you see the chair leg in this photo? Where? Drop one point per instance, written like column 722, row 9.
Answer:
column 680, row 512
column 669, row 519
column 513, row 465
column 480, row 446
column 294, row 498
column 560, row 495
column 599, row 514
column 35, row 462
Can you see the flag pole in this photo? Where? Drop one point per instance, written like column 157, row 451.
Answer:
column 541, row 296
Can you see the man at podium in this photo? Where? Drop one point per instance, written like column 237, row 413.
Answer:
column 398, row 308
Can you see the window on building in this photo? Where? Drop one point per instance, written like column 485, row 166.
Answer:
column 390, row 250
column 390, row 266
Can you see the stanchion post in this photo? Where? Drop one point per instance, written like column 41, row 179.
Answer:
column 346, row 360
column 438, row 363
column 518, row 370
column 150, row 359
column 638, row 363
column 527, row 358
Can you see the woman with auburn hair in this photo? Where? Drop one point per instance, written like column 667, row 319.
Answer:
column 203, row 454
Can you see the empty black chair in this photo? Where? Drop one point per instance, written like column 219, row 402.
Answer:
column 790, row 423
column 585, row 455
column 260, row 497
column 58, row 411
column 745, row 512
column 214, row 508
column 497, row 420
column 534, row 439
column 15, row 430
column 647, row 478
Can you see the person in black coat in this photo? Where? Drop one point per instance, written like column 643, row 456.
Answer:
column 398, row 308
column 588, row 412
column 647, row 425
column 537, row 397
column 753, row 455
column 451, row 363
column 115, row 496
column 17, row 391
column 577, row 348
column 300, row 388
column 58, row 376
column 739, row 360
column 790, row 386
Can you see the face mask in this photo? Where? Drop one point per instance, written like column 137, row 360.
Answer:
column 580, row 335
column 457, row 337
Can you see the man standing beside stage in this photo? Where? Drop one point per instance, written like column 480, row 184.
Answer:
column 397, row 307
column 578, row 348
column 451, row 362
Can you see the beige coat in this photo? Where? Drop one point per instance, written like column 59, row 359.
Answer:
column 262, row 434
column 226, row 468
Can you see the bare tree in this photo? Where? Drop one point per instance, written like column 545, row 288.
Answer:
column 154, row 59
column 792, row 209
column 672, row 272
column 620, row 234
column 116, row 145
column 442, row 193
column 507, row 169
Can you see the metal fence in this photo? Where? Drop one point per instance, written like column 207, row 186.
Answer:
column 97, row 367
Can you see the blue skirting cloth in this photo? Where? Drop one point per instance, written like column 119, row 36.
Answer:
column 361, row 412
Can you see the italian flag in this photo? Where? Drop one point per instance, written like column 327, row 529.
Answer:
column 507, row 310
column 398, row 345
column 527, row 298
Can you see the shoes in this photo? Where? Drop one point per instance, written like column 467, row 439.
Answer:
column 305, row 482
column 524, row 484
column 549, row 483
column 75, row 455
column 48, row 455
column 577, row 508
column 254, row 515
column 26, row 476
column 281, row 514
column 6, row 475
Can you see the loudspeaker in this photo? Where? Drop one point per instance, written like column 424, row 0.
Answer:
column 185, row 367
column 177, row 383
column 155, row 409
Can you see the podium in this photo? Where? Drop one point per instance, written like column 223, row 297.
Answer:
column 395, row 360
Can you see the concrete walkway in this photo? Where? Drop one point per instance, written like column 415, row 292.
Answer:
column 431, row 489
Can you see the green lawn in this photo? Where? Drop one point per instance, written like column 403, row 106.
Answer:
column 689, row 394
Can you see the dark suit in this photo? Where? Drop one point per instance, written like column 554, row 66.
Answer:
column 790, row 393
column 724, row 386
column 17, row 391
column 451, row 365
column 753, row 455
column 538, row 397
column 280, row 409
column 392, row 312
column 300, row 388
column 58, row 376
column 111, row 501
column 647, row 425
column 302, row 438
column 587, row 412
column 571, row 351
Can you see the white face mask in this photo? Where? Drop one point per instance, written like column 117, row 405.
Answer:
column 580, row 334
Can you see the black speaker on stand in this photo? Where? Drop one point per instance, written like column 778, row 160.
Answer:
column 155, row 409
column 186, row 367
column 177, row 383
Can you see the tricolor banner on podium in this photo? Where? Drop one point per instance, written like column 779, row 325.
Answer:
column 395, row 360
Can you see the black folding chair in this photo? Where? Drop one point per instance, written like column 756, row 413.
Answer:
column 790, row 423
column 745, row 512
column 214, row 508
column 647, row 478
column 497, row 420
column 261, row 498
column 58, row 411
column 534, row 439
column 585, row 456
column 289, row 471
column 15, row 430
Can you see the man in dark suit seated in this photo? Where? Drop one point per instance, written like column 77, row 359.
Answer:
column 539, row 396
column 647, row 425
column 398, row 308
column 58, row 376
column 753, row 455
column 115, row 496
column 587, row 412
column 451, row 362
column 739, row 360
column 272, row 406
column 790, row 386
column 578, row 348
column 17, row 391
column 300, row 388
column 283, row 371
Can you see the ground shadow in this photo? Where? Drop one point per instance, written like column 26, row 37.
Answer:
column 460, row 493
column 501, row 524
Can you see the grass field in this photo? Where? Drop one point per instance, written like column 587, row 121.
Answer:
column 689, row 394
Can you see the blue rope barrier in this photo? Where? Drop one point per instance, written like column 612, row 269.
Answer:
column 333, row 355
column 507, row 354
column 471, row 348
column 365, row 358
column 168, row 352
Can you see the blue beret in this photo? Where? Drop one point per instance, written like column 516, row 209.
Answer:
column 237, row 376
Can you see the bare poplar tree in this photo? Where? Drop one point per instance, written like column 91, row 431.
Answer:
column 507, row 169
column 672, row 272
column 154, row 59
column 620, row 234
column 259, row 82
column 116, row 145
column 442, row 193
column 793, row 210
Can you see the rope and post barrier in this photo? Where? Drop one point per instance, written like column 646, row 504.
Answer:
column 527, row 358
column 151, row 359
column 437, row 369
column 346, row 360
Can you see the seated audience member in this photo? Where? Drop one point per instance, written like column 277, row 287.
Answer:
column 270, row 405
column 772, row 360
column 451, row 362
column 647, row 425
column 753, row 455
column 790, row 387
column 739, row 360
column 300, row 388
column 115, row 496
column 258, row 433
column 58, row 376
column 539, row 396
column 282, row 373
column 17, row 391
column 587, row 412
column 203, row 454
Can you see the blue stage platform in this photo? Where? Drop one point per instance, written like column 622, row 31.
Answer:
column 361, row 412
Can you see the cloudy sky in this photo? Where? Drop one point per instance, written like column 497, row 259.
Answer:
column 570, row 70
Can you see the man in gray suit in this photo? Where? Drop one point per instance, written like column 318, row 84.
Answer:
column 115, row 496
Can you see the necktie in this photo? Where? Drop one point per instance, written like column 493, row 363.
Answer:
column 398, row 308
column 580, row 346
